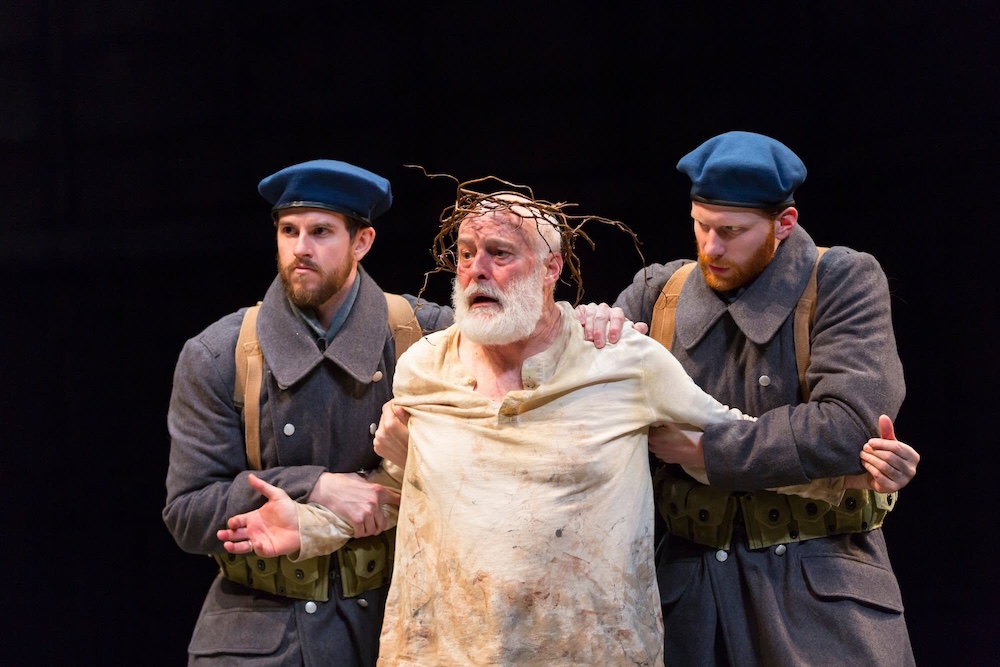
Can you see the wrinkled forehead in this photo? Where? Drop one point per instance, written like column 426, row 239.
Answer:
column 496, row 222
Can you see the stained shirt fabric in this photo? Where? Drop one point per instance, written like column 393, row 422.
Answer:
column 526, row 525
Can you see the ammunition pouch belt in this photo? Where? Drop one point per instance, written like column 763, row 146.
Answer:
column 706, row 516
column 361, row 565
column 366, row 563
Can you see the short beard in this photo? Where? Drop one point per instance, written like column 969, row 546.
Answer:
column 314, row 297
column 739, row 275
column 514, row 317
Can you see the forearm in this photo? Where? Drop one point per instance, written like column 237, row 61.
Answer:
column 322, row 531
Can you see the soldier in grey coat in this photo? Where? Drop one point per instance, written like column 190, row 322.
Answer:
column 328, row 360
column 749, row 577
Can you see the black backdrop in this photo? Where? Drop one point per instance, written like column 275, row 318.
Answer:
column 133, row 136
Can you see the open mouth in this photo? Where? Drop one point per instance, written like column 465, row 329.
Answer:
column 482, row 300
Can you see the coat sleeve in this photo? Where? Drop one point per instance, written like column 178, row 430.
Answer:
column 854, row 376
column 207, row 473
column 431, row 316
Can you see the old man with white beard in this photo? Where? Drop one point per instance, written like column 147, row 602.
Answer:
column 526, row 522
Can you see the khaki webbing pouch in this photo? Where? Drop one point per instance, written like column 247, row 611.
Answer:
column 365, row 563
column 705, row 515
column 307, row 580
column 361, row 565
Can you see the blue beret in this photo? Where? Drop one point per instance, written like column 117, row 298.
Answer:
column 331, row 185
column 743, row 169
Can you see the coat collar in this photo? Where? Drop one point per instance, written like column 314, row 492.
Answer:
column 761, row 308
column 290, row 347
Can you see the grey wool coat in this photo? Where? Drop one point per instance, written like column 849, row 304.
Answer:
column 796, row 606
column 317, row 412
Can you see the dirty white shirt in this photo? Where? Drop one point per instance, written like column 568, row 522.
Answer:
column 525, row 529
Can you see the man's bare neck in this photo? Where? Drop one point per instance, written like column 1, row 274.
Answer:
column 497, row 368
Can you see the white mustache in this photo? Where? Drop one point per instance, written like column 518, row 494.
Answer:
column 473, row 290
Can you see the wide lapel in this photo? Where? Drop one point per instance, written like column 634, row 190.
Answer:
column 290, row 347
column 357, row 348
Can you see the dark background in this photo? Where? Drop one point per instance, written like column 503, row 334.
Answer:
column 133, row 135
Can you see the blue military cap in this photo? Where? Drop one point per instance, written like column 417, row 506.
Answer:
column 331, row 185
column 743, row 169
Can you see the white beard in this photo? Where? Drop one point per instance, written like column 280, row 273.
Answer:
column 513, row 318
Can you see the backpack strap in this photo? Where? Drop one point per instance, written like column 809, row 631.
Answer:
column 250, row 365
column 402, row 322
column 805, row 313
column 249, row 375
column 664, row 312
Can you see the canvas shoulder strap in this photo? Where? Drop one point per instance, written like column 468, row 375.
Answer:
column 664, row 312
column 805, row 313
column 402, row 322
column 249, row 375
column 250, row 365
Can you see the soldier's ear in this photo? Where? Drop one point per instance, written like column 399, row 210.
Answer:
column 363, row 241
column 785, row 222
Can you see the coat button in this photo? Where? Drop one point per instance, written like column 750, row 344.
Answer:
column 721, row 555
column 764, row 381
column 377, row 376
column 310, row 607
column 289, row 429
column 372, row 428
column 363, row 603
column 780, row 550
